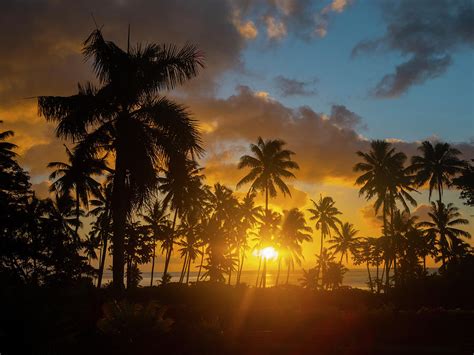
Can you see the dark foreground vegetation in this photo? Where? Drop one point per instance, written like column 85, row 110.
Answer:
column 216, row 318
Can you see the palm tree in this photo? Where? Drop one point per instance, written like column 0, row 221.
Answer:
column 444, row 219
column 325, row 213
column 7, row 155
column 437, row 165
column 182, row 187
column 294, row 231
column 155, row 220
column 125, row 116
column 345, row 241
column 323, row 262
column 77, row 176
column 385, row 178
column 269, row 164
column 248, row 219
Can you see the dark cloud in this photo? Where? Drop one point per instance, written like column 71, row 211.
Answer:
column 428, row 33
column 325, row 145
column 40, row 40
column 344, row 118
column 292, row 87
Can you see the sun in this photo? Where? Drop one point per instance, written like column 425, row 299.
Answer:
column 269, row 253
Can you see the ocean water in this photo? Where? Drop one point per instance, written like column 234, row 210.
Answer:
column 355, row 278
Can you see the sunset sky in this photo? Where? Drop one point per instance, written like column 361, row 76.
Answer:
column 324, row 76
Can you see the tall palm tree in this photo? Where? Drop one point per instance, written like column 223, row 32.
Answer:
column 323, row 261
column 325, row 213
column 385, row 179
column 182, row 187
column 269, row 229
column 345, row 241
column 248, row 219
column 78, row 176
column 444, row 219
column 437, row 165
column 126, row 116
column 268, row 165
column 294, row 231
column 156, row 220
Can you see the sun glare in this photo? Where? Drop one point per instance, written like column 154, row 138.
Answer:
column 269, row 253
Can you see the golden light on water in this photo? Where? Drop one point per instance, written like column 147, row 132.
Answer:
column 268, row 253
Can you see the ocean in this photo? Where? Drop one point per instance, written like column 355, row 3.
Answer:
column 355, row 278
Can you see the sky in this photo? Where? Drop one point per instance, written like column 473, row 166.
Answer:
column 325, row 76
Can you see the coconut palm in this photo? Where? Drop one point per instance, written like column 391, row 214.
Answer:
column 78, row 176
column 126, row 116
column 325, row 213
column 294, row 231
column 155, row 219
column 268, row 165
column 437, row 165
column 444, row 219
column 345, row 241
column 248, row 213
column 323, row 260
column 385, row 179
column 182, row 186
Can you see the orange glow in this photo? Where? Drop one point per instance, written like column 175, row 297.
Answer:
column 268, row 253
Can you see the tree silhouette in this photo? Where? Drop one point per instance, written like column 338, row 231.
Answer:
column 125, row 116
column 444, row 219
column 294, row 231
column 436, row 165
column 78, row 176
column 156, row 220
column 345, row 241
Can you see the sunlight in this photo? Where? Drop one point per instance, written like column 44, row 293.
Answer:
column 269, row 253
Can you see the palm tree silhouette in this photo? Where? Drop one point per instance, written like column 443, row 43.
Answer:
column 294, row 231
column 437, row 165
column 182, row 187
column 77, row 176
column 269, row 164
column 385, row 178
column 7, row 155
column 156, row 220
column 345, row 241
column 125, row 116
column 102, row 226
column 325, row 214
column 323, row 261
column 248, row 219
column 444, row 219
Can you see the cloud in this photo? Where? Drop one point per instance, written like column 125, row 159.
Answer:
column 323, row 17
column 422, row 211
column 292, row 87
column 428, row 33
column 368, row 215
column 40, row 40
column 325, row 145
column 344, row 118
column 276, row 29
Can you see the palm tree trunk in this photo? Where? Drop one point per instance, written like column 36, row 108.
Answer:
column 278, row 272
column 102, row 260
column 387, row 257
column 241, row 266
column 153, row 263
column 264, row 274
column 78, row 215
column 440, row 190
column 183, row 270
column 288, row 273
column 170, row 249
column 230, row 276
column 258, row 271
column 200, row 265
column 119, row 217
column 370, row 278
column 189, row 268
